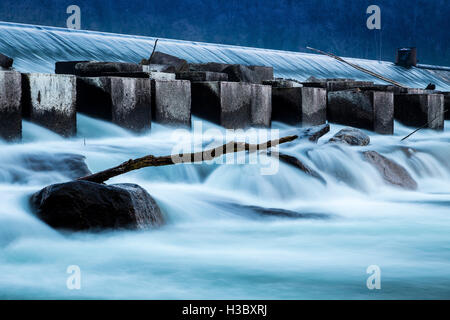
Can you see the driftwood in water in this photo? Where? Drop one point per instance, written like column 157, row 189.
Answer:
column 358, row 67
column 152, row 161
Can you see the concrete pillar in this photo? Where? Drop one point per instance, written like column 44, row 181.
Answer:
column 10, row 105
column 261, row 106
column 299, row 105
column 447, row 105
column 50, row 101
column 171, row 102
column 416, row 110
column 225, row 103
column 123, row 101
column 202, row 76
column 371, row 110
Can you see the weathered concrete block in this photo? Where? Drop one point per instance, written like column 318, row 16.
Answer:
column 99, row 69
column 299, row 106
column 158, row 68
column 371, row 110
column 202, row 76
column 67, row 67
column 283, row 83
column 50, row 101
column 250, row 74
column 225, row 103
column 236, row 72
column 180, row 65
column 10, row 105
column 171, row 102
column 261, row 106
column 337, row 84
column 416, row 110
column 123, row 101
column 5, row 61
column 447, row 105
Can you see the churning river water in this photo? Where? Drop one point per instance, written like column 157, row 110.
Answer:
column 214, row 244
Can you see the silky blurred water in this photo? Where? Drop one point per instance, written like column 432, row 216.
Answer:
column 211, row 248
column 214, row 246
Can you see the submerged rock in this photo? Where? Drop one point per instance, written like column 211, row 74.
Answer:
column 351, row 136
column 273, row 212
column 83, row 205
column 392, row 172
column 297, row 163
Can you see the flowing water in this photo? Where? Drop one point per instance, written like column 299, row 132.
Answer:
column 214, row 244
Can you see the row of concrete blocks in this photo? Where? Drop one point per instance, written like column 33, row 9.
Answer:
column 52, row 101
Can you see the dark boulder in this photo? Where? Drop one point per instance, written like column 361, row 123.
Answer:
column 83, row 205
column 351, row 136
column 5, row 61
column 180, row 65
column 393, row 173
column 72, row 166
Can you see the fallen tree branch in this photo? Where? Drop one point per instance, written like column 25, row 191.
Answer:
column 376, row 75
column 152, row 161
column 423, row 127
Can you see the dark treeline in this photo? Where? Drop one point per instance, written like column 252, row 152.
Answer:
column 338, row 26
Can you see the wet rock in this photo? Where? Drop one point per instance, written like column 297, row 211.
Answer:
column 351, row 136
column 10, row 105
column 273, row 212
column 82, row 205
column 180, row 65
column 70, row 165
column 5, row 61
column 297, row 163
column 447, row 105
column 393, row 173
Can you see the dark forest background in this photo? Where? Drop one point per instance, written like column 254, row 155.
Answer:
column 338, row 26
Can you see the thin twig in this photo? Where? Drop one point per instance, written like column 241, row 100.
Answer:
column 153, row 52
